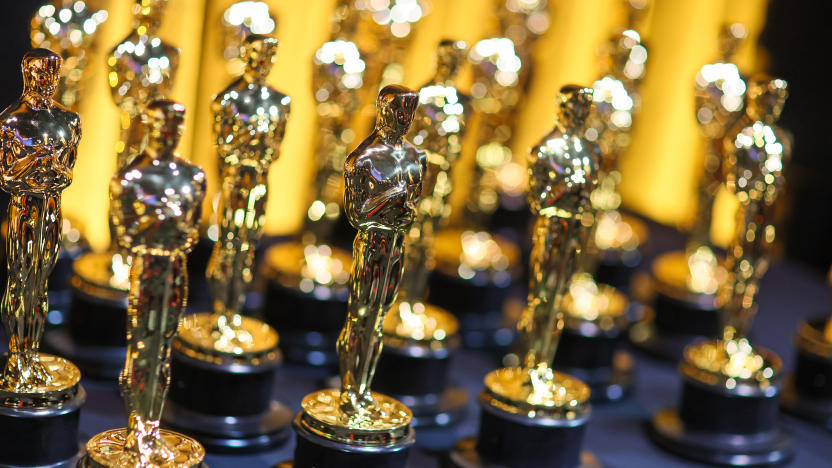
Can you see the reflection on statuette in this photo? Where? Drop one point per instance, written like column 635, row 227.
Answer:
column 38, row 144
column 155, row 207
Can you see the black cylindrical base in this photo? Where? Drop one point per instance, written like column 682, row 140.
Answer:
column 808, row 394
column 514, row 441
column 617, row 270
column 478, row 303
column 308, row 324
column 94, row 336
column 40, row 436
column 228, row 407
column 313, row 451
column 595, row 357
column 417, row 376
column 716, row 425
column 465, row 455
column 668, row 327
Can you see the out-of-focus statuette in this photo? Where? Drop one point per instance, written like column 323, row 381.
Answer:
column 531, row 414
column 68, row 27
column 730, row 368
column 249, row 123
column 420, row 338
column 306, row 279
column 239, row 20
column 685, row 283
column 141, row 68
column 40, row 394
column 383, row 179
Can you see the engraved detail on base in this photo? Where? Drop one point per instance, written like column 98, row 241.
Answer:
column 107, row 449
column 61, row 385
column 510, row 389
column 322, row 416
column 200, row 338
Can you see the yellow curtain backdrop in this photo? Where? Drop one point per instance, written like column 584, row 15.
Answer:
column 659, row 171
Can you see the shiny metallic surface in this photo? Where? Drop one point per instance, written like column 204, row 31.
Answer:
column 140, row 68
column 68, row 28
column 155, row 208
column 39, row 140
column 439, row 128
column 249, row 122
column 383, row 179
column 322, row 416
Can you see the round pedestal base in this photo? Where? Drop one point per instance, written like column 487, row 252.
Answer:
column 106, row 450
column 308, row 314
column 815, row 410
column 228, row 434
column 668, row 346
column 436, row 409
column 465, row 455
column 96, row 362
column 46, row 437
column 607, row 383
column 766, row 448
column 226, row 405
column 313, row 451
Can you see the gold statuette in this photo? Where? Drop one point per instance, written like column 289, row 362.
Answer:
column 38, row 143
column 68, row 27
column 239, row 20
column 719, row 93
column 439, row 128
column 140, row 69
column 756, row 152
column 155, row 207
column 383, row 179
column 249, row 123
column 562, row 174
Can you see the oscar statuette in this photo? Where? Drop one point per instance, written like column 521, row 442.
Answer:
column 727, row 412
column 40, row 394
column 808, row 392
column 596, row 312
column 475, row 268
column 306, row 278
column 420, row 338
column 532, row 415
column 354, row 427
column 681, row 303
column 140, row 69
column 224, row 362
column 155, row 205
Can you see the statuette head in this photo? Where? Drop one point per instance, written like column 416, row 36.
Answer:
column 450, row 55
column 41, row 72
column 164, row 121
column 574, row 104
column 730, row 39
column 396, row 106
column 765, row 98
column 259, row 52
column 148, row 14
